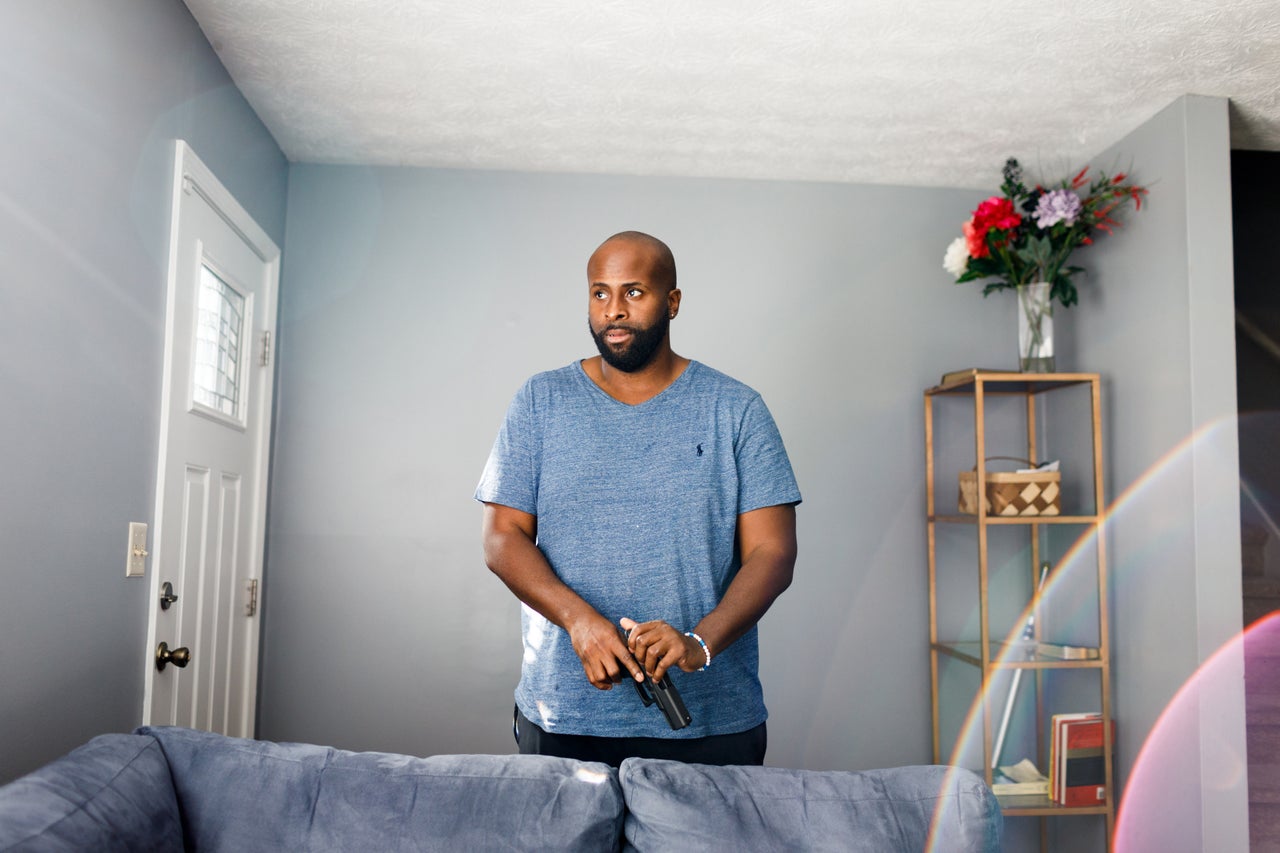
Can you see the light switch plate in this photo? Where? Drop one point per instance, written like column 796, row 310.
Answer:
column 136, row 563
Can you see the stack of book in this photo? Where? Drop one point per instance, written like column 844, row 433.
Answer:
column 1077, row 766
column 1023, row 779
column 953, row 377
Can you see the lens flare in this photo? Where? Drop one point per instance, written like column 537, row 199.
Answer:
column 1183, row 752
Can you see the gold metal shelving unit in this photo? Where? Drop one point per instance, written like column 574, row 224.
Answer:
column 985, row 654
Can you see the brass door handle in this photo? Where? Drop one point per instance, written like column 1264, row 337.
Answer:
column 179, row 657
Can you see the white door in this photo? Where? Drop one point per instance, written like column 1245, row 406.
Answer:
column 212, row 474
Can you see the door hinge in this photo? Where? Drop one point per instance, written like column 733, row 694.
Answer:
column 264, row 357
column 251, row 602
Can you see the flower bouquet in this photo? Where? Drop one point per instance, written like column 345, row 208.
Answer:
column 1023, row 238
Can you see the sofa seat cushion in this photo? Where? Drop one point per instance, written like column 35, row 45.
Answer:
column 253, row 795
column 111, row 794
column 694, row 807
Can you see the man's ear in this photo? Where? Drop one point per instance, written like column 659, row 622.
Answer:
column 673, row 302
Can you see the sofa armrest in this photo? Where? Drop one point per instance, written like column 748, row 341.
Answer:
column 693, row 807
column 112, row 794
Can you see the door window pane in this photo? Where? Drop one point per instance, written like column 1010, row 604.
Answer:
column 219, row 332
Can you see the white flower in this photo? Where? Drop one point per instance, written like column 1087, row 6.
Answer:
column 956, row 260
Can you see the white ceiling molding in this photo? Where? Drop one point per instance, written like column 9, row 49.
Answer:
column 912, row 92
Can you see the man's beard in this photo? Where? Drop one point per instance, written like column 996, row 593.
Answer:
column 638, row 353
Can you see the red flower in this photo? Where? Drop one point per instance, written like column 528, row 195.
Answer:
column 975, row 240
column 996, row 212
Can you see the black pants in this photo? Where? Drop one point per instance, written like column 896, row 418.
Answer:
column 742, row 748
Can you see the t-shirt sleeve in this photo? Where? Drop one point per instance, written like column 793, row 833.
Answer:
column 765, row 477
column 510, row 475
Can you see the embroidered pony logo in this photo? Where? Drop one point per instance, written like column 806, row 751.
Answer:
column 699, row 449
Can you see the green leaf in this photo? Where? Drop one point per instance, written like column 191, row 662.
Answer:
column 1037, row 252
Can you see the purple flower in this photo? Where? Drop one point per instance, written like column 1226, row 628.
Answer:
column 1058, row 206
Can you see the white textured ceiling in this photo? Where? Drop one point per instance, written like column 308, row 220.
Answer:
column 915, row 92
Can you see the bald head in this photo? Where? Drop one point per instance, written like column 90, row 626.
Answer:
column 663, row 263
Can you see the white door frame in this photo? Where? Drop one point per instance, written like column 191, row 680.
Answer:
column 191, row 175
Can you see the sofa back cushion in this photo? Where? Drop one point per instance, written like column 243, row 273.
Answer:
column 694, row 807
column 111, row 794
column 252, row 795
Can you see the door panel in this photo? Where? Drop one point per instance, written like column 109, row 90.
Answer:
column 211, row 487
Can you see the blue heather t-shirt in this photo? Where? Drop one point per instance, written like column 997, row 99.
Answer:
column 637, row 510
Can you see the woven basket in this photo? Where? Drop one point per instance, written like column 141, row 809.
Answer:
column 1009, row 493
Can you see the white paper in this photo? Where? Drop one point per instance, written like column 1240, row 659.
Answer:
column 1023, row 771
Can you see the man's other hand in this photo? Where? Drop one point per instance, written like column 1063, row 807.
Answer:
column 604, row 655
column 658, row 647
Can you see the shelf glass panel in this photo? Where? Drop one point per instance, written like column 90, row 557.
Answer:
column 1016, row 519
column 1010, row 656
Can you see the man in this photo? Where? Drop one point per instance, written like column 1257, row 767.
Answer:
column 644, row 490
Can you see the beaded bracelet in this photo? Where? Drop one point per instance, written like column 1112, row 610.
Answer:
column 705, row 650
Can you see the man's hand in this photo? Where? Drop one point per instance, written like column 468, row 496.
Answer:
column 603, row 654
column 658, row 647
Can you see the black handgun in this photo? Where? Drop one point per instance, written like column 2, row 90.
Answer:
column 665, row 694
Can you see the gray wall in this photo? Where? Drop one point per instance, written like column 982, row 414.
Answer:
column 92, row 94
column 1155, row 319
column 414, row 304
column 1161, row 329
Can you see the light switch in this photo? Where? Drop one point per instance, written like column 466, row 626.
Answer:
column 136, row 564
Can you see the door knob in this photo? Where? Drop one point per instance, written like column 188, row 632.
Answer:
column 179, row 657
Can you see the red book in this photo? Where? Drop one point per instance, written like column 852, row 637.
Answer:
column 1057, row 767
column 1083, row 762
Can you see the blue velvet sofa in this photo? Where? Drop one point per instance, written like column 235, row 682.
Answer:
column 178, row 789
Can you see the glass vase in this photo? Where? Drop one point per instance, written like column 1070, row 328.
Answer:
column 1035, row 328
